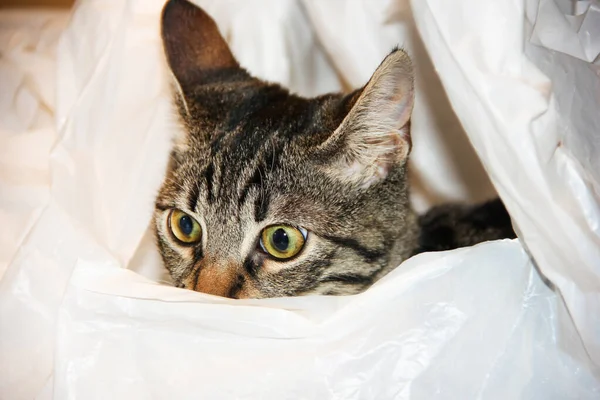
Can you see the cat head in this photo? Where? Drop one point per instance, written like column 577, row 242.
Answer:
column 271, row 194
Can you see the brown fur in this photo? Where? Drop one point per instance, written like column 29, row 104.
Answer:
column 252, row 155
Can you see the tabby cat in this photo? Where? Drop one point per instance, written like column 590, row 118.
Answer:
column 271, row 194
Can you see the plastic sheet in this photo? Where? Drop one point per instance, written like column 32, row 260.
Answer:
column 83, row 313
column 546, row 125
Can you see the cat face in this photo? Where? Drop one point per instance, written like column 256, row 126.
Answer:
column 270, row 194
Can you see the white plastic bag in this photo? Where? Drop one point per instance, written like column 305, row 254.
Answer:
column 537, row 135
column 77, row 322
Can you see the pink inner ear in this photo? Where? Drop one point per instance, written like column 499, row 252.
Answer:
column 376, row 131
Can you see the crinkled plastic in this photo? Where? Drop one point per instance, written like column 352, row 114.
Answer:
column 537, row 132
column 85, row 123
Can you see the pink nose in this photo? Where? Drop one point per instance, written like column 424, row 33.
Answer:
column 220, row 279
column 216, row 279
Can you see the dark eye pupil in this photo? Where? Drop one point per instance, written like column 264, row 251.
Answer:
column 280, row 240
column 186, row 226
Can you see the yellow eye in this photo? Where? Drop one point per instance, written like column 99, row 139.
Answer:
column 185, row 228
column 282, row 241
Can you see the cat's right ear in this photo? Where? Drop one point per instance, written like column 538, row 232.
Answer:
column 374, row 136
column 195, row 50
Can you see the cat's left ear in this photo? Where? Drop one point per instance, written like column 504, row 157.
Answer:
column 375, row 134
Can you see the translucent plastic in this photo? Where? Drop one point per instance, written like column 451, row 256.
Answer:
column 85, row 124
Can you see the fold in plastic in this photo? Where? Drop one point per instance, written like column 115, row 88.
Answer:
column 536, row 131
column 85, row 125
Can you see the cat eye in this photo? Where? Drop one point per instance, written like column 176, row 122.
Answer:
column 282, row 241
column 185, row 228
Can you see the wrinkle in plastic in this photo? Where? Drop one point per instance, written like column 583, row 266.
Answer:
column 84, row 313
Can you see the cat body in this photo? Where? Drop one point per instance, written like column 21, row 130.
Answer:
column 271, row 194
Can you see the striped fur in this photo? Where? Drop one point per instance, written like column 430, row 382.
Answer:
column 250, row 154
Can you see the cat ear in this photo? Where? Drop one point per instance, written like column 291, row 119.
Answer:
column 194, row 47
column 375, row 134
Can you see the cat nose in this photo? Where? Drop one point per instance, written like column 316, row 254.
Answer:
column 220, row 279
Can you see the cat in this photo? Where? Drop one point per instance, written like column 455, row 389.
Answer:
column 270, row 194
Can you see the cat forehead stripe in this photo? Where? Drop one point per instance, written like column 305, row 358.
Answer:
column 248, row 152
